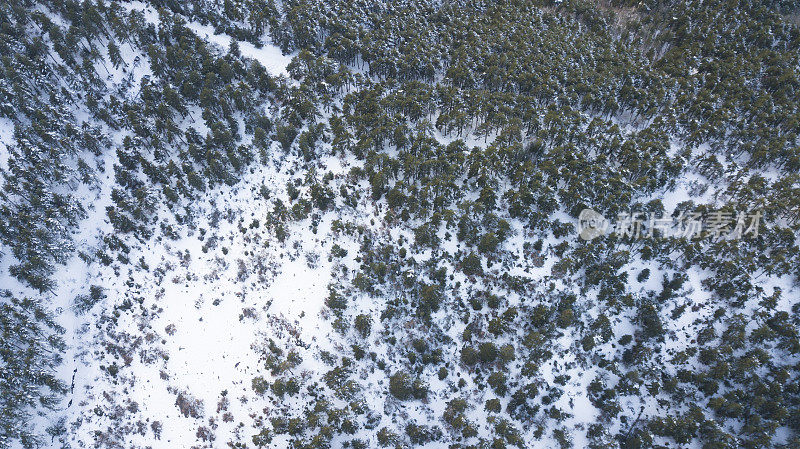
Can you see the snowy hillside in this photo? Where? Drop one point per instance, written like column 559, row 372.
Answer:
column 330, row 224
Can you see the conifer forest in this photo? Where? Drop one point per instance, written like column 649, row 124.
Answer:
column 443, row 224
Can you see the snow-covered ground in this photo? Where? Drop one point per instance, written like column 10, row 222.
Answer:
column 167, row 358
column 195, row 318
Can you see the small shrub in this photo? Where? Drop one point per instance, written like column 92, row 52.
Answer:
column 260, row 385
column 189, row 406
column 363, row 325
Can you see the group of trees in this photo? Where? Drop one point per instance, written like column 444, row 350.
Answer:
column 611, row 116
column 31, row 348
column 477, row 129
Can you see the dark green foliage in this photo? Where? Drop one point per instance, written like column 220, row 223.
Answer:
column 85, row 302
column 498, row 382
column 363, row 324
column 387, row 438
column 420, row 434
column 493, row 405
column 260, row 385
column 469, row 356
column 472, row 265
column 30, row 351
column 404, row 387
column 336, row 300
